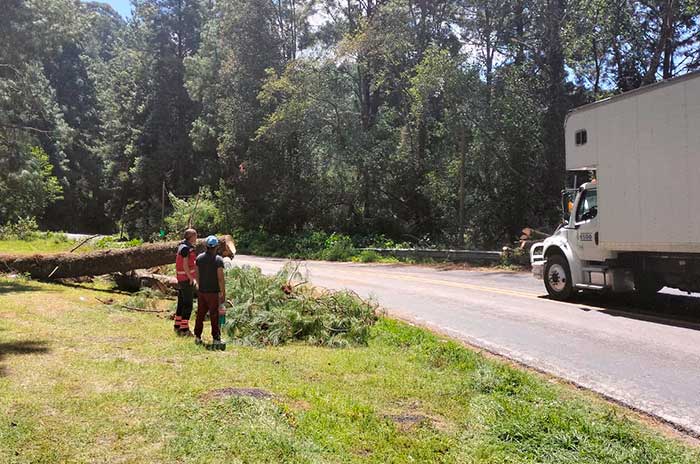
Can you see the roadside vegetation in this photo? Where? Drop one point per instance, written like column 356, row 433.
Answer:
column 83, row 381
column 440, row 119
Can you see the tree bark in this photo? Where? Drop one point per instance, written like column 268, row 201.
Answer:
column 555, row 95
column 62, row 265
column 665, row 36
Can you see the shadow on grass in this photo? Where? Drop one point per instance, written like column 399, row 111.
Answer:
column 20, row 348
column 10, row 286
column 89, row 287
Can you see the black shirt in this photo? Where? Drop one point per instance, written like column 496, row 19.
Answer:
column 208, row 265
column 184, row 248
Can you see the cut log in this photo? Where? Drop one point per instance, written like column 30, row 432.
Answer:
column 134, row 281
column 62, row 265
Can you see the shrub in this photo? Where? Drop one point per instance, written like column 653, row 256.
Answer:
column 338, row 248
column 23, row 229
column 199, row 211
column 114, row 242
column 273, row 311
column 512, row 258
column 368, row 256
column 381, row 241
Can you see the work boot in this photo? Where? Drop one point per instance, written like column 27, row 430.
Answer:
column 186, row 333
column 197, row 340
column 219, row 345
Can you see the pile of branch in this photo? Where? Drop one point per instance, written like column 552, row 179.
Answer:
column 65, row 265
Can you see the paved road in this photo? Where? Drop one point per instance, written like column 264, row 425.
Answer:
column 610, row 346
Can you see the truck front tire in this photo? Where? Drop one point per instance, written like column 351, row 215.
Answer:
column 557, row 278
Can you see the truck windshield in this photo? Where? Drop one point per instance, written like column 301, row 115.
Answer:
column 588, row 206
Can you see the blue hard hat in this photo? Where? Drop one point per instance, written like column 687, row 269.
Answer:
column 212, row 241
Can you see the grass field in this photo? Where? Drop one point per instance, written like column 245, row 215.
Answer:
column 80, row 382
column 54, row 244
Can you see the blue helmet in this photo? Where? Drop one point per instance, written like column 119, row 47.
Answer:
column 212, row 241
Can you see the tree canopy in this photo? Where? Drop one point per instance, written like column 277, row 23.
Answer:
column 434, row 121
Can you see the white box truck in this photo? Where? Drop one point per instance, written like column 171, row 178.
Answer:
column 635, row 226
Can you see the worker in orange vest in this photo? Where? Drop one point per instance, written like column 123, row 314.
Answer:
column 186, row 281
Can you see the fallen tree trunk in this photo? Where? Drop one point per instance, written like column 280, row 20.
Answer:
column 62, row 265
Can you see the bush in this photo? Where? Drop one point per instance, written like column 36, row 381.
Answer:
column 308, row 245
column 338, row 248
column 368, row 256
column 27, row 183
column 512, row 258
column 114, row 242
column 23, row 229
column 381, row 241
column 273, row 311
column 199, row 211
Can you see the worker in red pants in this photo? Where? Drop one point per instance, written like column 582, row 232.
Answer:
column 212, row 290
column 186, row 280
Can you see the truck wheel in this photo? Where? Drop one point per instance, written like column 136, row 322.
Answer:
column 647, row 285
column 557, row 278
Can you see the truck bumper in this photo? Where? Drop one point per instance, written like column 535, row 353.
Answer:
column 537, row 260
column 538, row 271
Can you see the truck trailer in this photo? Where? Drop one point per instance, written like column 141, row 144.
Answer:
column 634, row 224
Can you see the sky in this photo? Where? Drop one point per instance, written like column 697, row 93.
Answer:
column 123, row 7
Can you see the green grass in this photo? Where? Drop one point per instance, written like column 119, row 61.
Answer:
column 83, row 382
column 54, row 243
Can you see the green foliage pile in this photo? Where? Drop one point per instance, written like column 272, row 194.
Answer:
column 274, row 311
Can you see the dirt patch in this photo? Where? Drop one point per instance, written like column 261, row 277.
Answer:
column 299, row 405
column 407, row 420
column 223, row 393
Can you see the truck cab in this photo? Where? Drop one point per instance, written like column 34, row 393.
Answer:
column 635, row 227
column 572, row 258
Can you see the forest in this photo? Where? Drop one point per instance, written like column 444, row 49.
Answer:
column 425, row 121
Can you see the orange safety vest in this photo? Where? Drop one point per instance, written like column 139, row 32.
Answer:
column 180, row 262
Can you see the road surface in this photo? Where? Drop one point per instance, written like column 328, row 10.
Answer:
column 648, row 362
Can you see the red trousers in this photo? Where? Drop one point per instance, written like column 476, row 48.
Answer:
column 208, row 303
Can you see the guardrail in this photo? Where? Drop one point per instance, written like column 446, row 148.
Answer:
column 457, row 256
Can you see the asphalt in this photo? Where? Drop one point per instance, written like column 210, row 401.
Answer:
column 643, row 355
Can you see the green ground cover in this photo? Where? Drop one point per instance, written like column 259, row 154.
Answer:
column 43, row 243
column 85, row 382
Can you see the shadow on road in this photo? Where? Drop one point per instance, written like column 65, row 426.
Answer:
column 23, row 347
column 667, row 309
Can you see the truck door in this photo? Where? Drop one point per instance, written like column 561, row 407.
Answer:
column 586, row 237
